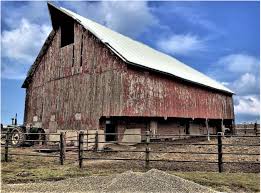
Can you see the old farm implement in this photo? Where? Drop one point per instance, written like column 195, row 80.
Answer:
column 19, row 135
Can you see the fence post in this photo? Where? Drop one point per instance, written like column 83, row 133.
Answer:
column 147, row 151
column 61, row 148
column 220, row 159
column 80, row 150
column 64, row 146
column 255, row 128
column 233, row 128
column 87, row 140
column 6, row 145
column 96, row 141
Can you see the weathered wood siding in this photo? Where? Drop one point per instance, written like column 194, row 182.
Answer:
column 152, row 94
column 68, row 94
column 61, row 87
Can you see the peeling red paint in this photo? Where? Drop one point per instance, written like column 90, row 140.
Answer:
column 106, row 86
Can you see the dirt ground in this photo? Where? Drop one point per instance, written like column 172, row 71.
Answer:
column 181, row 166
column 24, row 169
column 94, row 165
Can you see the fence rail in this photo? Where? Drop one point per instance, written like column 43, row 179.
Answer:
column 87, row 142
column 147, row 150
column 8, row 146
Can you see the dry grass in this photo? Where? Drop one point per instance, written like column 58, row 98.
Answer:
column 225, row 182
column 22, row 169
column 47, row 169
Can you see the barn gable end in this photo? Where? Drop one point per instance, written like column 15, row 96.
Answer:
column 83, row 78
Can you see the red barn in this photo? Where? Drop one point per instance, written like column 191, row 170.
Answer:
column 88, row 77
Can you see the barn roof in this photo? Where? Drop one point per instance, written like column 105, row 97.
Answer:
column 137, row 53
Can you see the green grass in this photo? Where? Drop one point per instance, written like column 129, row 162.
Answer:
column 224, row 182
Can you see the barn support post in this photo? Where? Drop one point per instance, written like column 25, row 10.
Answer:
column 80, row 148
column 220, row 152
column 222, row 126
column 187, row 127
column 62, row 152
column 207, row 129
column 6, row 145
column 147, row 151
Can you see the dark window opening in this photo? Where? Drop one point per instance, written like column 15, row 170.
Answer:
column 67, row 33
column 109, row 131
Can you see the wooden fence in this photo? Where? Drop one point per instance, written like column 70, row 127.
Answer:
column 147, row 142
column 84, row 146
column 8, row 140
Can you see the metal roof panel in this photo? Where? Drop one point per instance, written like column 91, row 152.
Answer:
column 141, row 54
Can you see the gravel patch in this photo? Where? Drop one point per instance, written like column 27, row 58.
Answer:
column 151, row 181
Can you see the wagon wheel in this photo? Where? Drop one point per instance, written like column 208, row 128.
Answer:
column 17, row 137
column 3, row 139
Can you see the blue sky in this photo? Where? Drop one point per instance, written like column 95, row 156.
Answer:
column 220, row 39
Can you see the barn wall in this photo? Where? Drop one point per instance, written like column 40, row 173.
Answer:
column 68, row 94
column 152, row 94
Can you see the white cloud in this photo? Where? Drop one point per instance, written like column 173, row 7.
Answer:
column 132, row 18
column 182, row 44
column 239, row 63
column 28, row 28
column 129, row 18
column 33, row 11
column 20, row 46
column 225, row 83
column 24, row 41
column 240, row 72
column 13, row 70
column 192, row 13
column 247, row 84
column 249, row 104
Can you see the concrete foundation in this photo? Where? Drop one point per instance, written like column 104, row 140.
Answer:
column 160, row 128
column 134, row 138
column 71, row 138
